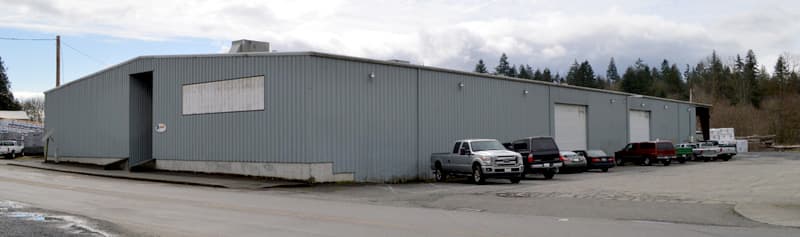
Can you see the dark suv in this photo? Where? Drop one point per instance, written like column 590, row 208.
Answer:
column 646, row 153
column 539, row 154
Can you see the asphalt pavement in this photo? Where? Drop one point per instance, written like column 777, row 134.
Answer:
column 17, row 219
column 697, row 199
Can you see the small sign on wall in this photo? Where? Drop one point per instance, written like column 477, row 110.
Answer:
column 161, row 127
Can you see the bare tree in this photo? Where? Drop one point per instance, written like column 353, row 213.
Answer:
column 34, row 107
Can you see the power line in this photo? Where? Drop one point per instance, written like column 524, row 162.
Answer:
column 84, row 54
column 28, row 39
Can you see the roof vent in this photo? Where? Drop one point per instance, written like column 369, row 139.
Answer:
column 248, row 46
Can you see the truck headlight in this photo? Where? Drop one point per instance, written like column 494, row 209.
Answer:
column 485, row 158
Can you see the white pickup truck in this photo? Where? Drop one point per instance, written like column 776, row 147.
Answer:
column 479, row 159
column 11, row 148
column 712, row 150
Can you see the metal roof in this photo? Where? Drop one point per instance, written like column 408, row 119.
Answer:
column 375, row 61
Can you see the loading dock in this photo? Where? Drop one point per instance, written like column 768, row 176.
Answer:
column 570, row 127
column 639, row 126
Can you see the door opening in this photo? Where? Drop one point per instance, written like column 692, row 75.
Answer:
column 141, row 118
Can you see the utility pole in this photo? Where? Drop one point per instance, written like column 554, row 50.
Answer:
column 58, row 60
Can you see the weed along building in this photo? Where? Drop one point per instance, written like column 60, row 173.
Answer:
column 323, row 117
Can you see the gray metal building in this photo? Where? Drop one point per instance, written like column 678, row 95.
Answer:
column 326, row 117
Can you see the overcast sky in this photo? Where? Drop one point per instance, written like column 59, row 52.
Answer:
column 451, row 34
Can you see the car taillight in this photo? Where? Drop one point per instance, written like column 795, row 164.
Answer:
column 595, row 160
column 561, row 158
column 530, row 158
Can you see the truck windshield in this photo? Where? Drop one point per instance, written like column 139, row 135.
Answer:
column 487, row 146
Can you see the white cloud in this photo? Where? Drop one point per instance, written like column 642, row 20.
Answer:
column 22, row 95
column 444, row 33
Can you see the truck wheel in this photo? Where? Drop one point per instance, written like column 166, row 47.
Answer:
column 647, row 162
column 439, row 174
column 666, row 162
column 549, row 174
column 605, row 169
column 515, row 180
column 620, row 162
column 682, row 160
column 706, row 159
column 726, row 158
column 477, row 175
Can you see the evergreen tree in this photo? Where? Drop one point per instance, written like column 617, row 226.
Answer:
column 538, row 75
column 503, row 67
column 581, row 75
column 524, row 72
column 572, row 73
column 611, row 73
column 7, row 101
column 548, row 76
column 716, row 75
column 530, row 71
column 738, row 80
column 637, row 79
column 781, row 75
column 481, row 67
column 512, row 72
column 750, row 74
column 586, row 75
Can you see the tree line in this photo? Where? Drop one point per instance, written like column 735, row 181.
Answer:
column 740, row 84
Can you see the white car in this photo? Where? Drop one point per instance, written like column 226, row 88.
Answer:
column 11, row 148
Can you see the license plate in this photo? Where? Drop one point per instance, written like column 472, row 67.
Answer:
column 576, row 159
column 546, row 165
column 604, row 159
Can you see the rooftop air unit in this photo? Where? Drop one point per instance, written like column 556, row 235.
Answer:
column 248, row 46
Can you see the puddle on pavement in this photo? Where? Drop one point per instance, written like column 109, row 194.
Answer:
column 68, row 224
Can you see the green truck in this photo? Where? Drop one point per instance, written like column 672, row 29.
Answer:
column 684, row 152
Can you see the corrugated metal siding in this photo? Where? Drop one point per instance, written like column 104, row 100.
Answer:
column 686, row 122
column 663, row 118
column 322, row 109
column 367, row 126
column 89, row 118
column 481, row 109
column 607, row 120
column 274, row 135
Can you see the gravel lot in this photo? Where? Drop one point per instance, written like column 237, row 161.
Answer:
column 695, row 192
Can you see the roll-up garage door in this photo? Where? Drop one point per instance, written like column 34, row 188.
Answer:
column 570, row 125
column 639, row 126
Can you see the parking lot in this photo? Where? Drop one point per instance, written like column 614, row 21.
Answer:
column 695, row 192
column 693, row 199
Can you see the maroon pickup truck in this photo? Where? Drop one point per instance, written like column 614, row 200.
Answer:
column 646, row 153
